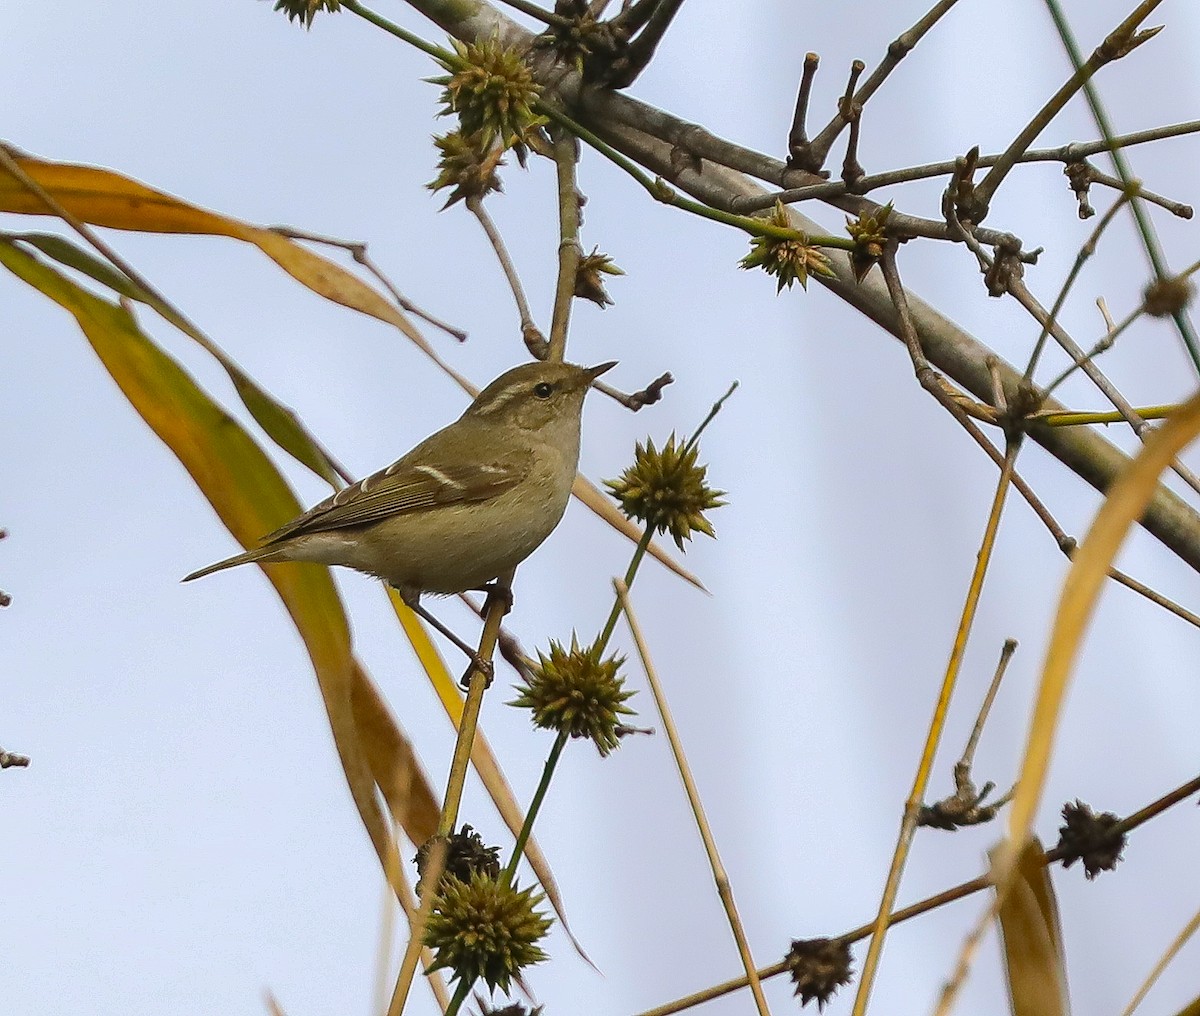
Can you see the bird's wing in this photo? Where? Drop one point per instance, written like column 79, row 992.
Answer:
column 422, row 479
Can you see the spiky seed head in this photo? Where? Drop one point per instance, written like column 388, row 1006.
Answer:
column 576, row 692
column 1089, row 836
column 467, row 166
column 493, row 92
column 483, row 928
column 305, row 10
column 818, row 967
column 588, row 284
column 788, row 259
column 667, row 490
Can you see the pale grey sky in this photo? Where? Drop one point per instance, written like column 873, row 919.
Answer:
column 184, row 839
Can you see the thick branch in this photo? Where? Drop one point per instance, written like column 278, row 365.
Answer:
column 951, row 349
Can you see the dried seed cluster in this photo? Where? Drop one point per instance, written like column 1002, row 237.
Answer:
column 818, row 967
column 483, row 928
column 1087, row 836
column 576, row 692
column 667, row 490
column 467, row 165
column 466, row 855
column 493, row 92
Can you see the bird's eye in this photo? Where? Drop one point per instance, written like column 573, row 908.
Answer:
column 543, row 390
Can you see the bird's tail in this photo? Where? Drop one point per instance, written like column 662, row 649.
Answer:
column 257, row 554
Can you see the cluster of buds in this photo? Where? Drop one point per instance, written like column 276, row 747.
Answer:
column 869, row 233
column 789, row 259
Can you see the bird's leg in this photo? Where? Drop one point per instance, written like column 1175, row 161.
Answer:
column 498, row 591
column 477, row 661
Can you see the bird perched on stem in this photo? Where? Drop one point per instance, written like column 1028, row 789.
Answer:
column 464, row 506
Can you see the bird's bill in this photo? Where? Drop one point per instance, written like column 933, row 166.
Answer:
column 595, row 372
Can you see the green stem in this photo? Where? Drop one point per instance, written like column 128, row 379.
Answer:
column 630, row 572
column 535, row 806
column 443, row 56
column 460, row 996
column 1066, row 419
column 1121, row 164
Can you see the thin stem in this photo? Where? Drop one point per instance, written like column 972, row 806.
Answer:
column 443, row 56
column 720, row 876
column 1006, row 655
column 630, row 573
column 1119, row 43
column 357, row 249
column 1085, row 252
column 478, row 683
column 1065, row 419
column 566, row 154
column 937, row 724
column 535, row 806
column 530, row 332
column 1072, row 152
column 1145, row 225
column 434, row 869
column 497, row 605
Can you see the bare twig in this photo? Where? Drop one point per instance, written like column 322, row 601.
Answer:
column 798, row 143
column 5, row 599
column 534, row 340
column 357, row 249
column 965, row 807
column 649, row 395
column 1144, row 223
column 958, row 892
column 818, row 150
column 1085, row 252
column 9, row 760
column 1068, row 154
column 641, row 50
column 1177, row 208
column 720, row 876
column 1121, row 42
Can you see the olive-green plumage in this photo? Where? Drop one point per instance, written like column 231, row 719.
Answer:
column 465, row 505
